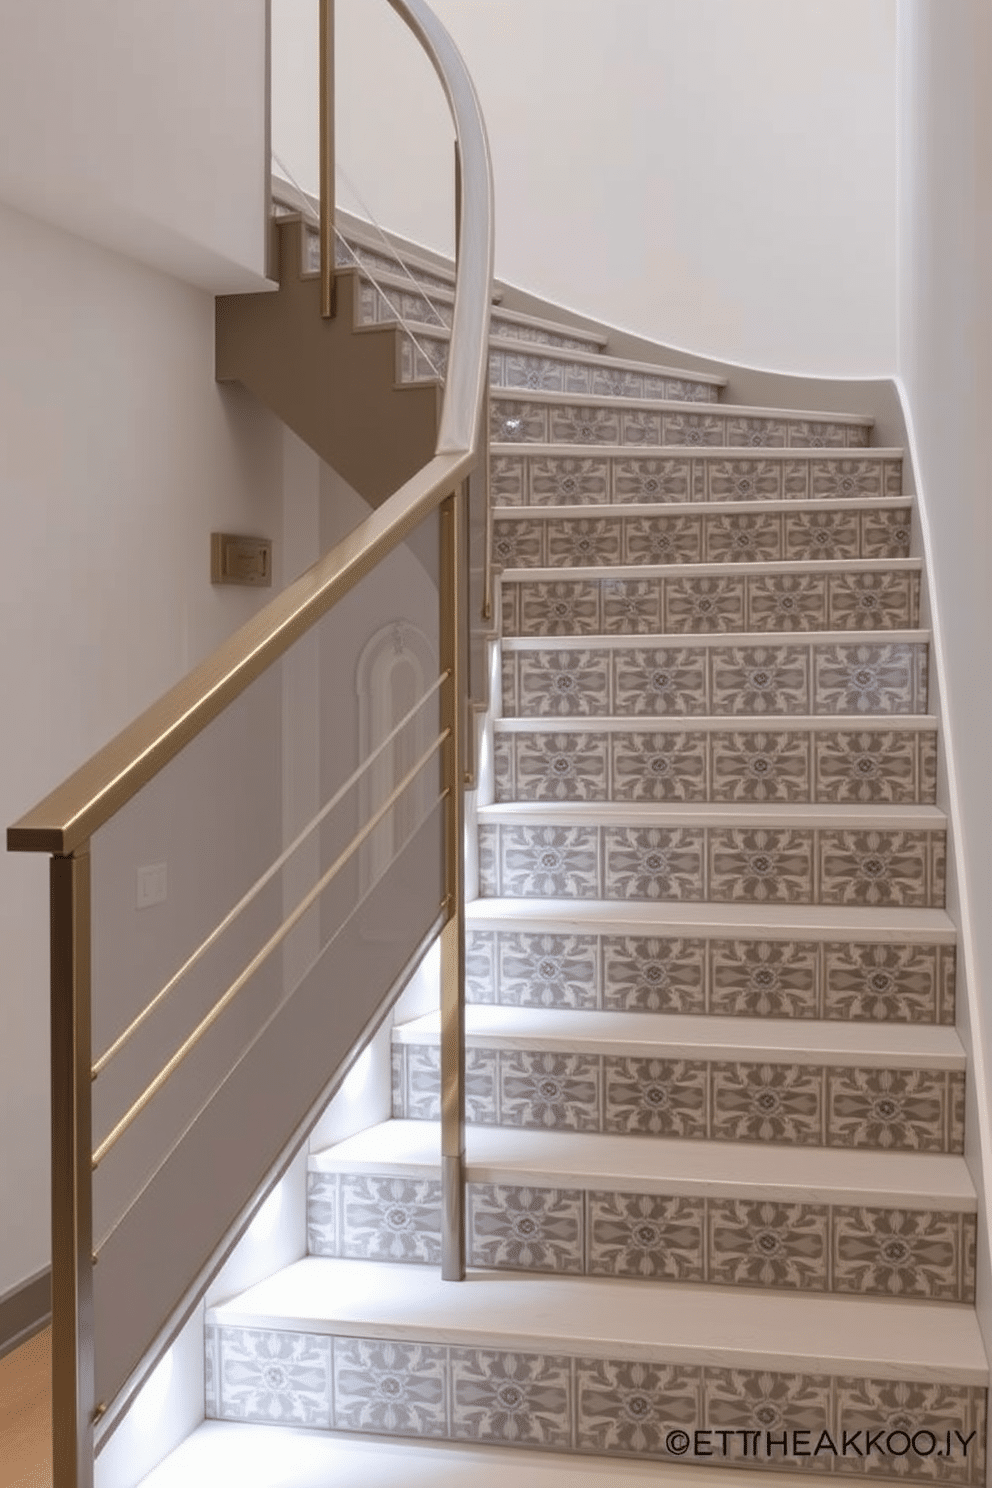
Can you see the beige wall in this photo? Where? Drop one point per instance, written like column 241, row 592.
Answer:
column 118, row 455
column 714, row 174
column 142, row 127
column 945, row 358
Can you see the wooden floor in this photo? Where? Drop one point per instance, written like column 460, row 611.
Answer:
column 26, row 1415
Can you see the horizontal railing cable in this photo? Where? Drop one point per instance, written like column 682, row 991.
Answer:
column 308, row 213
column 260, row 883
column 263, row 1029
column 261, row 956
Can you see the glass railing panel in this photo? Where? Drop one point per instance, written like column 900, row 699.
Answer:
column 303, row 848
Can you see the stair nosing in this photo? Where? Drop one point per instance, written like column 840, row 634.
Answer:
column 756, row 815
column 697, row 1036
column 560, row 1315
column 604, row 511
column 684, row 405
column 667, row 640
column 638, row 723
column 639, row 571
column 695, row 451
column 617, row 1163
column 708, row 919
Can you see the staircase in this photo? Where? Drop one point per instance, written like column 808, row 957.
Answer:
column 715, row 1092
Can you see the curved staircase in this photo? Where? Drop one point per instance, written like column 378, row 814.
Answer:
column 718, row 1212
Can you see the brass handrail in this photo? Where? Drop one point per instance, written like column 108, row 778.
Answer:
column 70, row 814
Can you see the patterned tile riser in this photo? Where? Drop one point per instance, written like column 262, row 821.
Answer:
column 614, row 1407
column 378, row 263
column 379, row 307
column 686, row 604
column 800, row 1105
column 867, row 1251
column 528, row 369
column 832, row 980
column 897, row 767
column 726, row 865
column 625, row 480
column 527, row 422
column 817, row 678
column 749, row 538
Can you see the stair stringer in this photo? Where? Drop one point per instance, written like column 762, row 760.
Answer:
column 333, row 382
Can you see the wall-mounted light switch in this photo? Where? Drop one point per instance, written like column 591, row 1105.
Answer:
column 240, row 560
column 153, row 885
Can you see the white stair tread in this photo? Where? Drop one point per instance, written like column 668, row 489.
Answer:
column 696, row 451
column 711, row 570
column 668, row 641
column 700, row 508
column 225, row 1452
column 564, row 353
column 747, row 815
column 618, row 1318
column 775, row 921
column 733, row 1170
column 775, row 723
column 736, row 410
column 691, row 1036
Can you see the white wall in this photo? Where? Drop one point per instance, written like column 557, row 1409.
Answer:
column 945, row 359
column 118, row 455
column 714, row 174
column 142, row 127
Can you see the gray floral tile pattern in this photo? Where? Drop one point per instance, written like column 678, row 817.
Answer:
column 809, row 1104
column 726, row 864
column 626, row 1409
column 645, row 974
column 829, row 979
column 764, row 867
column 514, row 1228
column 648, row 1236
column 774, row 1404
column 524, row 1399
column 768, row 1103
column 653, row 863
column 896, row 1405
column 764, row 979
column 560, row 1091
column 742, row 537
column 658, row 684
column 894, row 1109
column 903, row 1253
column 547, row 970
column 769, row 1244
column 265, row 1375
column 701, row 605
column 391, row 1219
column 655, row 1097
column 704, row 474
column 892, row 766
column 561, row 1402
column 390, row 1388
column 694, row 680
column 923, row 1253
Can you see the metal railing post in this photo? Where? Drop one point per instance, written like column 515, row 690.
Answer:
column 327, row 182
column 73, row 1383
column 453, row 934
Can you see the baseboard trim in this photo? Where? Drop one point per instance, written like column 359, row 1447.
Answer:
column 25, row 1310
